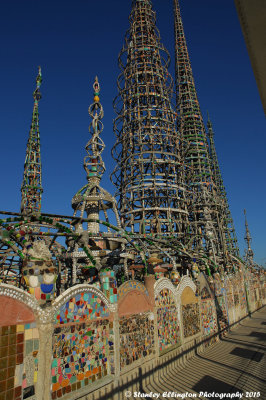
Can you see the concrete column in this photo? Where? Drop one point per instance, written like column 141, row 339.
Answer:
column 43, row 385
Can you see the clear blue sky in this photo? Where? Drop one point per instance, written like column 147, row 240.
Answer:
column 75, row 40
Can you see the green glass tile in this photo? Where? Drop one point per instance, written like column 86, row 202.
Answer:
column 29, row 346
column 12, row 339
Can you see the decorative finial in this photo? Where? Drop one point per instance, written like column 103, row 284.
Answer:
column 93, row 163
column 37, row 94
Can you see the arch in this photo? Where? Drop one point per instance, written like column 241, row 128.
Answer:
column 188, row 296
column 134, row 302
column 80, row 303
column 164, row 283
column 14, row 312
column 185, row 281
column 71, row 292
column 21, row 296
column 129, row 286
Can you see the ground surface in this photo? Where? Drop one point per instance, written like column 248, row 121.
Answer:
column 235, row 365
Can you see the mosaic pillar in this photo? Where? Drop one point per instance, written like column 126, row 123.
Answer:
column 43, row 386
column 149, row 282
column 116, row 345
column 109, row 285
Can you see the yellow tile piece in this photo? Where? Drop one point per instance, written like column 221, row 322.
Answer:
column 28, row 334
column 31, row 290
column 35, row 376
column 35, row 333
column 20, row 328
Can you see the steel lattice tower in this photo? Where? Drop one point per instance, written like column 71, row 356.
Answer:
column 227, row 220
column 149, row 171
column 205, row 203
column 248, row 252
column 31, row 187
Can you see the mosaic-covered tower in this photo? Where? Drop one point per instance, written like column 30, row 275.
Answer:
column 227, row 220
column 31, row 187
column 149, row 173
column 205, row 202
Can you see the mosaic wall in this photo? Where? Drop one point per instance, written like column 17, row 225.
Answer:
column 82, row 354
column 83, row 350
column 136, row 338
column 222, row 312
column 208, row 320
column 191, row 319
column 167, row 320
column 19, row 345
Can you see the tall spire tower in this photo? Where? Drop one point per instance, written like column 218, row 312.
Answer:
column 31, row 187
column 205, row 204
column 227, row 220
column 248, row 252
column 149, row 173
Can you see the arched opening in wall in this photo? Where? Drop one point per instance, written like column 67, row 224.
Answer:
column 19, row 347
column 167, row 321
column 83, row 343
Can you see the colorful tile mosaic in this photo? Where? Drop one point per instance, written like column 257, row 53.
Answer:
column 109, row 285
column 129, row 286
column 165, row 298
column 205, row 294
column 167, row 320
column 242, row 300
column 222, row 313
column 82, row 354
column 236, row 299
column 81, row 308
column 136, row 338
column 191, row 319
column 19, row 345
column 230, row 296
column 208, row 319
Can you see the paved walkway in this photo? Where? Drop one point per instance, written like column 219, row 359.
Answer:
column 235, row 365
